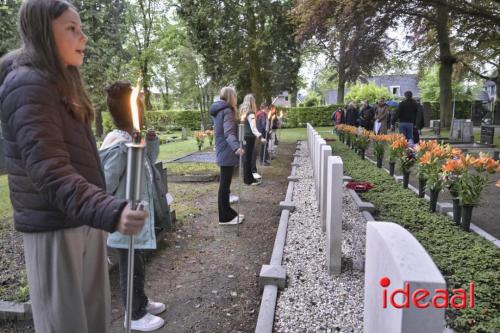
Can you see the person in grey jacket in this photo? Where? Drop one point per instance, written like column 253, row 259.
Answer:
column 113, row 155
column 227, row 149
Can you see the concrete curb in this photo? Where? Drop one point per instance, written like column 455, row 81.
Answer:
column 362, row 205
column 15, row 311
column 273, row 276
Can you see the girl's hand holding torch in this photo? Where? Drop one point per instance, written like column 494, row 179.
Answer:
column 131, row 221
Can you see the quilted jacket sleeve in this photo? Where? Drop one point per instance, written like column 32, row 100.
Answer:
column 34, row 115
column 230, row 130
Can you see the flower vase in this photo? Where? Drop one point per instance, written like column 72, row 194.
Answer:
column 199, row 147
column 457, row 211
column 379, row 162
column 466, row 216
column 421, row 187
column 392, row 166
column 433, row 201
column 406, row 178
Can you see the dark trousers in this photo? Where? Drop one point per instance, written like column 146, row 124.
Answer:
column 254, row 158
column 139, row 299
column 226, row 213
column 247, row 167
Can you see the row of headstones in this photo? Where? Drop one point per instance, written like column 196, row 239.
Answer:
column 395, row 260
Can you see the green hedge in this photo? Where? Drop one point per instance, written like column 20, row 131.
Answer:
column 316, row 116
column 460, row 256
column 165, row 120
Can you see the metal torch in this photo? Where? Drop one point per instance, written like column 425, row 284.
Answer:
column 241, row 139
column 133, row 193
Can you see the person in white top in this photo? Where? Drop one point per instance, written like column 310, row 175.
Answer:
column 248, row 110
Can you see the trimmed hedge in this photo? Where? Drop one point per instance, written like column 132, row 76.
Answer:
column 462, row 110
column 316, row 116
column 460, row 256
column 163, row 120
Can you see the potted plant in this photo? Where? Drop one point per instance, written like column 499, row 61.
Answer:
column 473, row 181
column 430, row 165
column 406, row 157
column 200, row 139
column 420, row 150
column 394, row 150
column 452, row 170
column 362, row 142
column 378, row 147
column 210, row 136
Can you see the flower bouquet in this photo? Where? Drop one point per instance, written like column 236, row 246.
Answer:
column 200, row 138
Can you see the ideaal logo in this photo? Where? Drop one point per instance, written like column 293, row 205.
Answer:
column 460, row 298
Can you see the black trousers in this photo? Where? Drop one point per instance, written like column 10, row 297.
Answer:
column 247, row 167
column 254, row 158
column 226, row 213
column 139, row 299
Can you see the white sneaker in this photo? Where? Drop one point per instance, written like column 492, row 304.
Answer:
column 256, row 175
column 233, row 221
column 147, row 323
column 155, row 308
column 234, row 198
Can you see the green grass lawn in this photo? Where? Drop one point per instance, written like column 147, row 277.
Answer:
column 476, row 132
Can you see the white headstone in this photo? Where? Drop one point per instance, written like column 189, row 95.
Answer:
column 334, row 214
column 394, row 260
column 321, row 143
column 326, row 151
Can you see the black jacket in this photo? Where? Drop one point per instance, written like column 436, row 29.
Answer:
column 407, row 111
column 54, row 170
column 366, row 117
column 352, row 116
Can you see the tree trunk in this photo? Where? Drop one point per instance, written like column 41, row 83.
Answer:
column 340, row 90
column 145, row 86
column 165, row 95
column 446, row 66
column 293, row 98
column 98, row 123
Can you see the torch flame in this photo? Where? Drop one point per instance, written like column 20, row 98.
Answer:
column 270, row 113
column 133, row 104
column 281, row 114
column 242, row 117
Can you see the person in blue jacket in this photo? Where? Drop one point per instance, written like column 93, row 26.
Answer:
column 113, row 153
column 227, row 148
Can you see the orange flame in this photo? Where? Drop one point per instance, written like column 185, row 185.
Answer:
column 133, row 104
column 281, row 114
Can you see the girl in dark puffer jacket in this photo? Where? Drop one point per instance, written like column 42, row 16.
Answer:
column 56, row 183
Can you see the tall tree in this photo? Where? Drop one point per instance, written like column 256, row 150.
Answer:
column 351, row 34
column 241, row 42
column 8, row 21
column 104, row 55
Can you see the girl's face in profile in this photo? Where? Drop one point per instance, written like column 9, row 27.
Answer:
column 69, row 38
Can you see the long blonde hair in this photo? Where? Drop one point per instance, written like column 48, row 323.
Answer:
column 228, row 94
column 248, row 105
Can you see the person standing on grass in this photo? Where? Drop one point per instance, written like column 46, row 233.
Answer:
column 227, row 148
column 248, row 110
column 113, row 155
column 56, row 181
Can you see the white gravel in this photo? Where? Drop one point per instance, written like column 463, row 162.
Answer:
column 314, row 301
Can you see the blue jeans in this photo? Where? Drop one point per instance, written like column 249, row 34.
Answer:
column 407, row 130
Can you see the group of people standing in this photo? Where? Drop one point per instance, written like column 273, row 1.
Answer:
column 379, row 118
column 258, row 128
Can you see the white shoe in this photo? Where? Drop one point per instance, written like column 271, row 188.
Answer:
column 234, row 198
column 233, row 221
column 147, row 323
column 155, row 308
column 256, row 175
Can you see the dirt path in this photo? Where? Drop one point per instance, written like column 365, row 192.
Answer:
column 204, row 273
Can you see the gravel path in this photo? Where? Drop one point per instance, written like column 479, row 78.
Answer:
column 313, row 301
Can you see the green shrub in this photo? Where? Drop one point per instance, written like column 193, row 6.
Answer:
column 368, row 92
column 316, row 116
column 462, row 110
column 460, row 256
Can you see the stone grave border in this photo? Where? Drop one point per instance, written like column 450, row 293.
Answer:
column 273, row 276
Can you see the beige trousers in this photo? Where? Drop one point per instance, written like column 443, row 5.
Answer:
column 68, row 280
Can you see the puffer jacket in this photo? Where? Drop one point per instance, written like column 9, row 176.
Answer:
column 113, row 153
column 226, row 133
column 54, row 170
